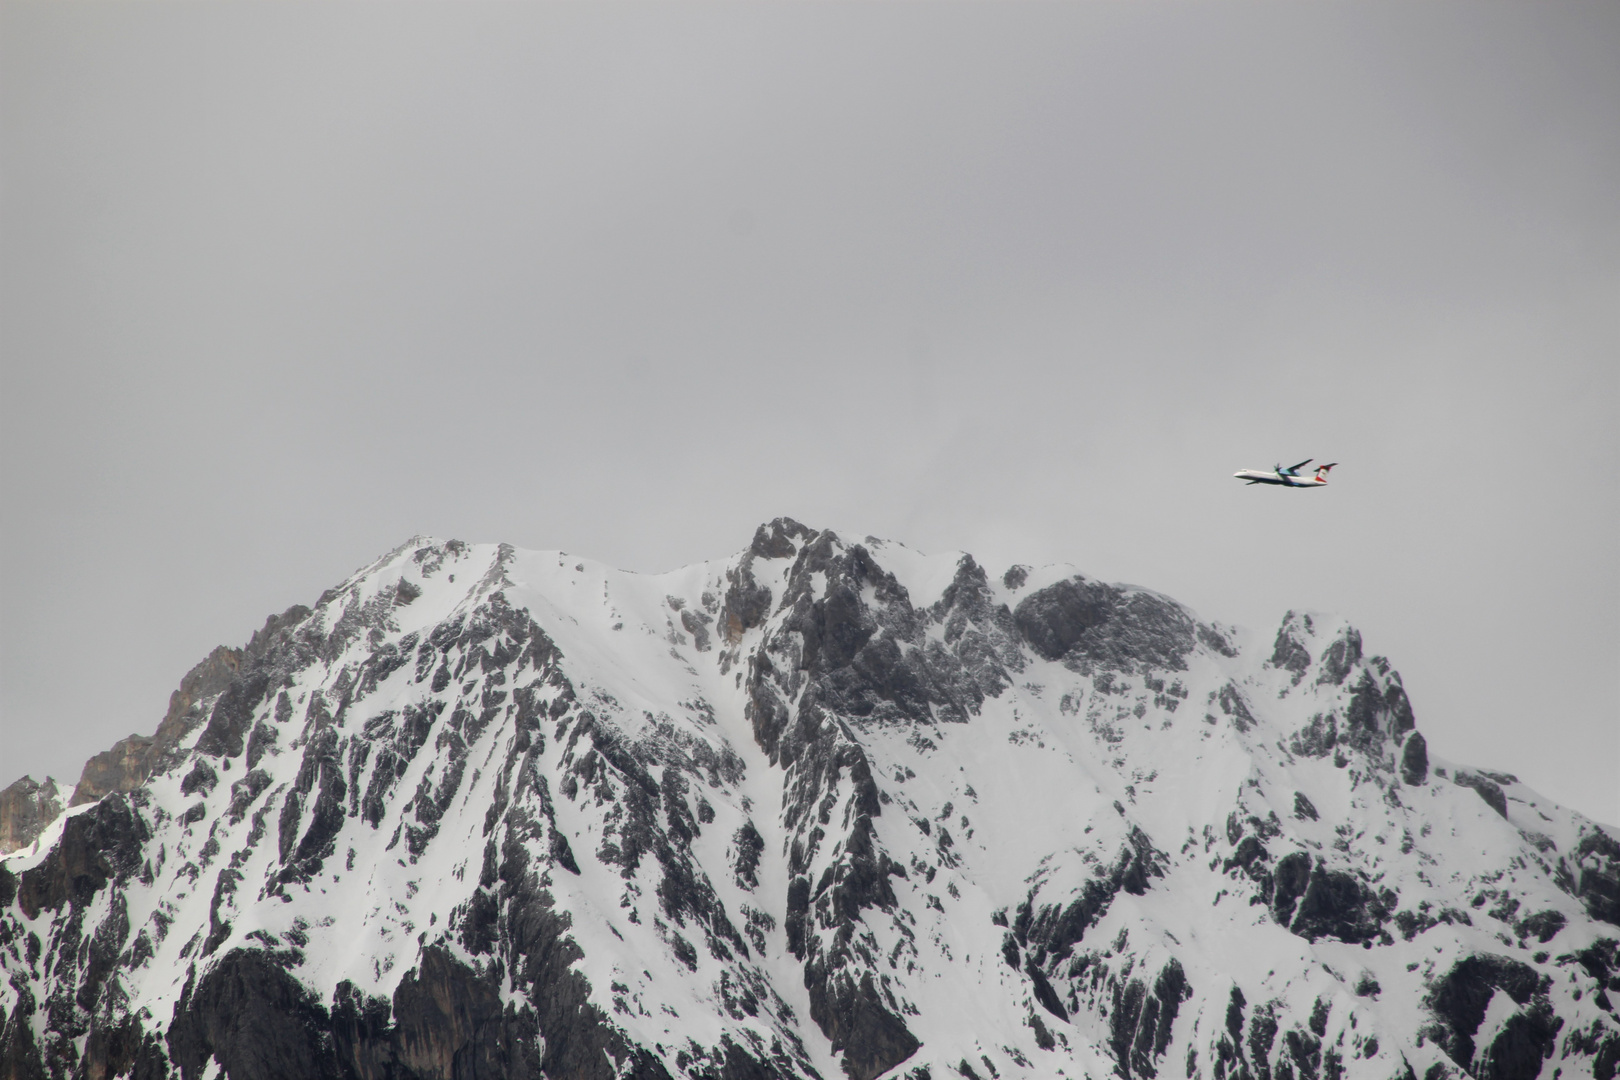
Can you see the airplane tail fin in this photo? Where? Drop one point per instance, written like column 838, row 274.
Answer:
column 1321, row 470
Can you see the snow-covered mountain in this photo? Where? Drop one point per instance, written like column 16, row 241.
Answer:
column 821, row 808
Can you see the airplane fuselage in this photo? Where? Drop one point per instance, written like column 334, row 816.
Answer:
column 1268, row 476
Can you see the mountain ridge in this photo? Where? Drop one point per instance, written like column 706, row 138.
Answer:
column 568, row 821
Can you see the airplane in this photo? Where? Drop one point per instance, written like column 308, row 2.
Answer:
column 1288, row 477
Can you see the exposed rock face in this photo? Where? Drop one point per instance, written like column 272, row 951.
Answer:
column 1095, row 627
column 1521, row 1042
column 123, row 768
column 26, row 807
column 106, row 844
column 130, row 761
column 1415, row 759
column 1598, row 855
column 1489, row 790
column 825, row 808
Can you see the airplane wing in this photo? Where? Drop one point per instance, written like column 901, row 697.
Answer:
column 1301, row 465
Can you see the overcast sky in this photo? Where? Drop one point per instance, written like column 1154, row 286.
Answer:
column 285, row 284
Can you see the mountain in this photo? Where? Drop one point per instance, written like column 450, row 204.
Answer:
column 820, row 808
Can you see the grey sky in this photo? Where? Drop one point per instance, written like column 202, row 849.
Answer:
column 285, row 284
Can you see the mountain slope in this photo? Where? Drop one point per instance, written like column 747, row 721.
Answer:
column 822, row 807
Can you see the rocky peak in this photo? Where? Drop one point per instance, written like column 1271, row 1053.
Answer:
column 26, row 807
column 131, row 760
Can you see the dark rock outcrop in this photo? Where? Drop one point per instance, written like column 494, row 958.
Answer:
column 255, row 1019
column 1049, row 931
column 1459, row 1001
column 26, row 807
column 1310, row 899
column 1379, row 711
column 1341, row 657
column 1337, row 904
column 98, row 846
column 1597, row 854
column 445, row 1020
column 1289, row 652
column 1415, row 760
column 1487, row 789
column 1095, row 627
column 1142, row 1020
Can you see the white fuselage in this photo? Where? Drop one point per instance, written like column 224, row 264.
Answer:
column 1271, row 476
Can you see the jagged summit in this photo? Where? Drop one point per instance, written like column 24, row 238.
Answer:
column 821, row 807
